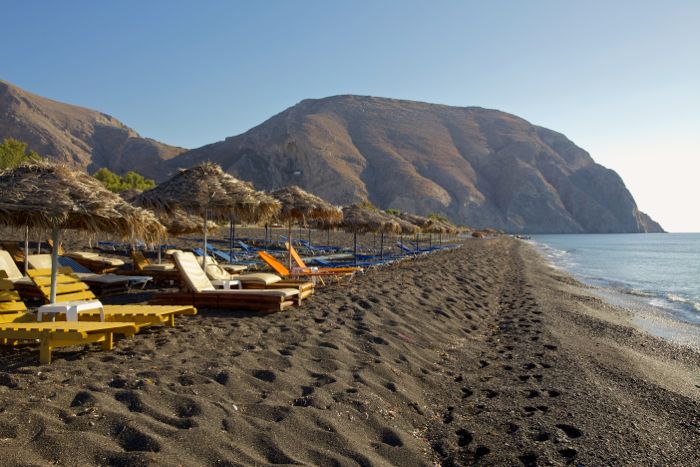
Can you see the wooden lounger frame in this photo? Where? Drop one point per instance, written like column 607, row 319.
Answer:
column 17, row 326
column 63, row 334
column 217, row 299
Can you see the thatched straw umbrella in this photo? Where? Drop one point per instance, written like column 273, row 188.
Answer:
column 423, row 223
column 180, row 222
column 54, row 197
column 407, row 228
column 205, row 190
column 301, row 206
column 176, row 223
column 262, row 210
column 362, row 218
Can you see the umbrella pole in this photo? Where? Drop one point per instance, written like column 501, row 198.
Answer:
column 26, row 249
column 381, row 247
column 204, row 259
column 430, row 241
column 233, row 234
column 328, row 236
column 354, row 245
column 289, row 250
column 401, row 242
column 230, row 237
column 417, row 240
column 160, row 253
column 55, row 237
column 309, row 236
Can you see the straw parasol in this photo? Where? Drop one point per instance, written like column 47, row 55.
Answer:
column 263, row 209
column 53, row 197
column 301, row 206
column 180, row 222
column 407, row 228
column 206, row 190
column 361, row 218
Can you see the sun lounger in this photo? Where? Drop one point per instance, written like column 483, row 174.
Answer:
column 95, row 262
column 320, row 248
column 164, row 272
column 282, row 270
column 201, row 292
column 14, row 250
column 70, row 288
column 410, row 251
column 10, row 271
column 101, row 284
column 232, row 268
column 255, row 280
column 300, row 263
column 17, row 326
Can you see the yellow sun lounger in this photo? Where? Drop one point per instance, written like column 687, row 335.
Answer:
column 17, row 326
column 53, row 335
column 70, row 288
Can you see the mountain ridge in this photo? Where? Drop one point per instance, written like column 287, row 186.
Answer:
column 78, row 136
column 479, row 166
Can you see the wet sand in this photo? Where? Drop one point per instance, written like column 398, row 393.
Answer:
column 481, row 355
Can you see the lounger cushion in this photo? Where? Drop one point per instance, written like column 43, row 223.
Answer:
column 40, row 261
column 192, row 273
column 88, row 255
column 259, row 278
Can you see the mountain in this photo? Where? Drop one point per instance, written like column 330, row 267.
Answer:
column 480, row 167
column 80, row 137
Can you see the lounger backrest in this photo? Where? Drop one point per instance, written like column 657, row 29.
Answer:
column 192, row 272
column 273, row 263
column 42, row 261
column 16, row 254
column 10, row 301
column 295, row 255
column 68, row 286
column 8, row 265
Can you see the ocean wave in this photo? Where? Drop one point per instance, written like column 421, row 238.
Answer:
column 684, row 300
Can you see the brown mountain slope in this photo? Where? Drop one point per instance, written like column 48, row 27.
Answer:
column 80, row 137
column 480, row 167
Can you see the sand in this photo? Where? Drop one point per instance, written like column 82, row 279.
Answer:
column 483, row 355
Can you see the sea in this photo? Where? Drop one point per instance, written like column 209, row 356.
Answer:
column 656, row 276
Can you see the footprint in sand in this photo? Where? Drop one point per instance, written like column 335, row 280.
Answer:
column 131, row 439
column 463, row 437
column 391, row 438
column 265, row 375
column 570, row 430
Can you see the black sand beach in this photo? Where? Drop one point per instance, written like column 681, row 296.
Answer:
column 481, row 355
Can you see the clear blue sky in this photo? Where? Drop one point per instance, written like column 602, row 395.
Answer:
column 620, row 78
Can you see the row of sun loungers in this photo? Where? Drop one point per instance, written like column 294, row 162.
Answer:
column 217, row 285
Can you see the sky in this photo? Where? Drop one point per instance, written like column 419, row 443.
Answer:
column 621, row 79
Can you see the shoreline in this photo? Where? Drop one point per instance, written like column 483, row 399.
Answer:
column 482, row 355
column 646, row 315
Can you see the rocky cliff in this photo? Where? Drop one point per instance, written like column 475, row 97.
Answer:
column 480, row 167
